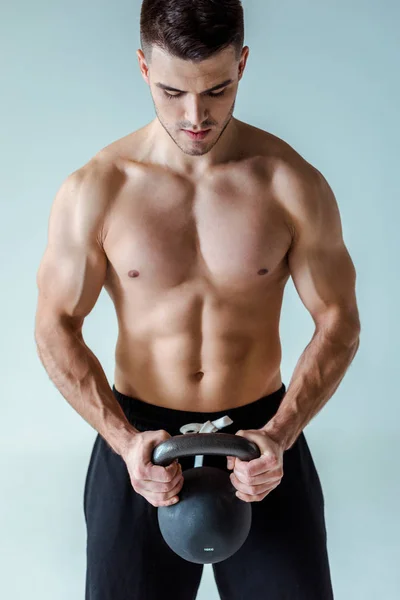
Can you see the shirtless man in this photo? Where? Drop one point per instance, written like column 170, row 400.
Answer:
column 194, row 237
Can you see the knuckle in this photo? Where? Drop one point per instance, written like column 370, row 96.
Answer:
column 163, row 488
column 178, row 478
column 170, row 472
column 174, row 477
column 159, row 474
column 272, row 460
column 139, row 472
column 166, row 501
column 155, row 501
column 174, row 483
column 136, row 481
column 243, row 473
column 170, row 487
column 176, row 486
column 167, row 477
column 157, row 436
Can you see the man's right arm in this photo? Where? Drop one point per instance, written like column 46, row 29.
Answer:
column 70, row 279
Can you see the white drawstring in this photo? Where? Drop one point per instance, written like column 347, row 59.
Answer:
column 207, row 427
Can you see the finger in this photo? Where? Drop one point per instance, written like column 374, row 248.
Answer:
column 257, row 466
column 158, row 473
column 164, row 498
column 157, row 486
column 247, row 498
column 253, row 497
column 253, row 490
column 230, row 462
column 276, row 474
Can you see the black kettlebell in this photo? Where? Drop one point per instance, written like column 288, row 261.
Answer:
column 209, row 523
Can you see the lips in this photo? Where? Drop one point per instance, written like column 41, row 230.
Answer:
column 197, row 135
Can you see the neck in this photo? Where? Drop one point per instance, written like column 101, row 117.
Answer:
column 163, row 150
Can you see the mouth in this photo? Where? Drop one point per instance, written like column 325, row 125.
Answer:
column 197, row 135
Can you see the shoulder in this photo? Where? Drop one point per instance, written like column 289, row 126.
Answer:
column 93, row 180
column 84, row 197
column 307, row 199
column 300, row 189
column 286, row 169
column 298, row 186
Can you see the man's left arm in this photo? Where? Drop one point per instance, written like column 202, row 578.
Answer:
column 324, row 276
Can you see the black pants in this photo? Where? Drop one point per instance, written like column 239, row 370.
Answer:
column 284, row 557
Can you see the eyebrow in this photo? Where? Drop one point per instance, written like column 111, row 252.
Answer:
column 216, row 87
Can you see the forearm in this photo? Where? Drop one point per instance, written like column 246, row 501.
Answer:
column 316, row 377
column 79, row 377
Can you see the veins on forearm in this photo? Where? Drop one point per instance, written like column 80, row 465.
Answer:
column 316, row 377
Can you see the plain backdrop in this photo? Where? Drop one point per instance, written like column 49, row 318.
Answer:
column 324, row 76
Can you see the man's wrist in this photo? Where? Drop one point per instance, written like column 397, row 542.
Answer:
column 285, row 426
column 121, row 440
column 279, row 437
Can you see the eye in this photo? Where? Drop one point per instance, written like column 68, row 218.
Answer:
column 216, row 94
column 179, row 94
column 170, row 96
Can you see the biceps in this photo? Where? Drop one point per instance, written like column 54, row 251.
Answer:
column 324, row 277
column 70, row 281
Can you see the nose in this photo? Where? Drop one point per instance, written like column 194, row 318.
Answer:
column 195, row 111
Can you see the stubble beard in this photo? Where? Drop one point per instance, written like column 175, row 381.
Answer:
column 197, row 151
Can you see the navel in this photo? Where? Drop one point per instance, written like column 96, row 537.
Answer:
column 263, row 271
column 133, row 273
column 199, row 375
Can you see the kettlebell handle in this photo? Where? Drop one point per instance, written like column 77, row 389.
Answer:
column 194, row 444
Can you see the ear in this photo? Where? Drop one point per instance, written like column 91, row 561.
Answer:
column 143, row 66
column 243, row 61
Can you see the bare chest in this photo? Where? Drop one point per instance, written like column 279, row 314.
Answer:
column 227, row 232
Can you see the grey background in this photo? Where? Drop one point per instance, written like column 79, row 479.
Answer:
column 324, row 76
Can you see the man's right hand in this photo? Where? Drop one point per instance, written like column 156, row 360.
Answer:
column 159, row 485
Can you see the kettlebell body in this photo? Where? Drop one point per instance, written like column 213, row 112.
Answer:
column 209, row 523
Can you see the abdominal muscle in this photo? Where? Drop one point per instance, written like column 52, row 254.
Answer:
column 214, row 360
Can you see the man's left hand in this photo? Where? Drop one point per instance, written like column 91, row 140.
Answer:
column 256, row 478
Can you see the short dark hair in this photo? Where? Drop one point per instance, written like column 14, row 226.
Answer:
column 192, row 29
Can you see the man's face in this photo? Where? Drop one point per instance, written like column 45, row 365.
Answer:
column 197, row 106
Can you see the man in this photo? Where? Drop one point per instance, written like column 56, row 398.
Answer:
column 194, row 224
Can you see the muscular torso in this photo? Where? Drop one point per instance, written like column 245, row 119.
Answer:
column 196, row 271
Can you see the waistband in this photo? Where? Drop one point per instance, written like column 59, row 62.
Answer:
column 249, row 416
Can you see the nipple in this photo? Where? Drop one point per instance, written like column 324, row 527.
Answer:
column 133, row 273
